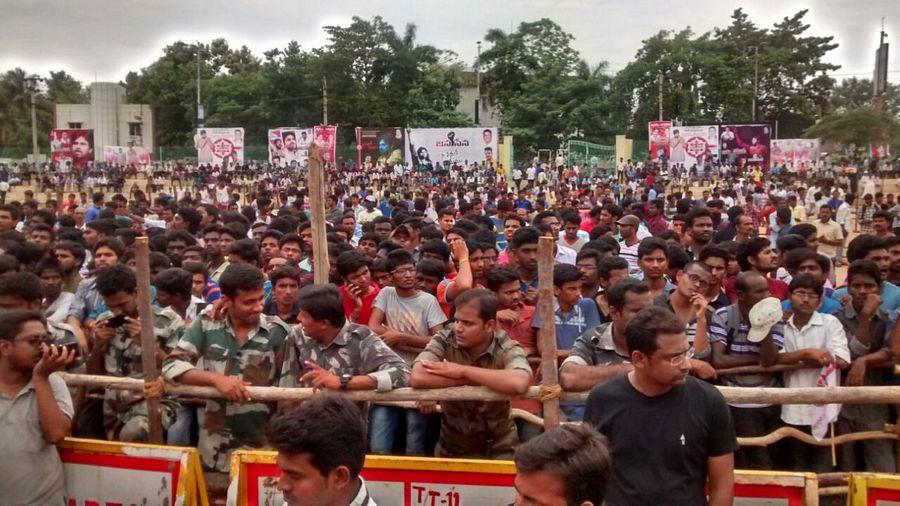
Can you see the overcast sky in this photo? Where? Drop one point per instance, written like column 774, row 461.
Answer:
column 106, row 39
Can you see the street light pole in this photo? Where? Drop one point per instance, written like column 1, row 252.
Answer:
column 478, row 86
column 32, row 83
column 200, row 113
column 755, row 80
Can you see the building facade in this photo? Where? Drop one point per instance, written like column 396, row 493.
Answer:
column 114, row 121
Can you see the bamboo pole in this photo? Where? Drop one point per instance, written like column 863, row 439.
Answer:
column 547, row 332
column 148, row 339
column 317, row 214
column 811, row 395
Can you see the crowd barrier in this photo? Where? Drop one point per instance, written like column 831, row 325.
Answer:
column 109, row 473
column 870, row 489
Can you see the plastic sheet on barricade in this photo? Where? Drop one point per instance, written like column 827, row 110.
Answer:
column 107, row 472
column 870, row 489
column 415, row 481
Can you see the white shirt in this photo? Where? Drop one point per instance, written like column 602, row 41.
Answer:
column 823, row 331
column 565, row 255
column 842, row 216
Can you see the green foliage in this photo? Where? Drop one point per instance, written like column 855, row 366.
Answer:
column 858, row 127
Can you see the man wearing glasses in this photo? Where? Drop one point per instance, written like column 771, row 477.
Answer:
column 668, row 431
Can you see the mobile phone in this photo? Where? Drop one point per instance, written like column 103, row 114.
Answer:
column 72, row 348
column 116, row 321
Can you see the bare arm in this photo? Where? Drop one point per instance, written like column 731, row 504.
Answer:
column 463, row 280
column 580, row 378
column 721, row 480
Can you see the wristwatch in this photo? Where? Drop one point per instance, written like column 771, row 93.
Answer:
column 345, row 380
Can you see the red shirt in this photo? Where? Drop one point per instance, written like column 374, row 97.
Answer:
column 366, row 311
column 777, row 288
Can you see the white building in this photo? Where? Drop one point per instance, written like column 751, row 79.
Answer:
column 488, row 116
column 114, row 122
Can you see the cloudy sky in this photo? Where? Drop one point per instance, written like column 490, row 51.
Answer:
column 105, row 39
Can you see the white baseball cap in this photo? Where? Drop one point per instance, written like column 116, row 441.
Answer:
column 763, row 315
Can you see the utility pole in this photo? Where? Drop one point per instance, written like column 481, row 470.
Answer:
column 881, row 70
column 755, row 80
column 199, row 105
column 660, row 96
column 324, row 100
column 478, row 86
column 32, row 85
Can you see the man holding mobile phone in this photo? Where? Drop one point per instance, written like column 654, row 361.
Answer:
column 117, row 352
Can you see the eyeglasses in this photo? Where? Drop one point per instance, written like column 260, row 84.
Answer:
column 681, row 358
column 404, row 270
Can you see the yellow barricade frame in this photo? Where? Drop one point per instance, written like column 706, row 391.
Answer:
column 862, row 484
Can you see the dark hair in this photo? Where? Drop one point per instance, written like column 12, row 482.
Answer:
column 290, row 237
column 49, row 263
column 500, row 275
column 191, row 217
column 523, row 236
column 437, row 247
column 749, row 249
column 432, row 268
column 864, row 268
column 112, row 243
column 181, row 235
column 284, row 272
column 678, row 257
column 13, row 211
column 884, row 215
column 323, row 302
column 482, row 299
column 327, row 427
column 790, row 242
column 175, row 281
column 805, row 230
column 604, row 245
column 349, row 262
column 195, row 268
column 642, row 331
column 714, row 251
column 11, row 322
column 8, row 263
column 565, row 273
column 860, row 247
column 616, row 294
column 116, row 279
column 22, row 285
column 397, row 258
column 697, row 212
column 103, row 226
column 246, row 249
column 588, row 253
column 795, row 257
column 578, row 454
column 651, row 244
column 806, row 281
column 608, row 264
column 240, row 277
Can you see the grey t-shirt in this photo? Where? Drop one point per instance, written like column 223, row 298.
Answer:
column 410, row 315
column 31, row 471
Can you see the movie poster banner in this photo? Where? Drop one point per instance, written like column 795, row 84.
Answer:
column 126, row 156
column 383, row 146
column 658, row 132
column 797, row 152
column 73, row 145
column 745, row 145
column 429, row 147
column 289, row 144
column 326, row 141
column 219, row 146
column 693, row 145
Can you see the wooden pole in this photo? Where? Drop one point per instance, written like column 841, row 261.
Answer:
column 148, row 339
column 547, row 332
column 317, row 215
column 737, row 395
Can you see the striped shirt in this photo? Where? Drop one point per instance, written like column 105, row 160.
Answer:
column 630, row 253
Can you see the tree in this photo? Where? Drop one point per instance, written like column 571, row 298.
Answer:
column 858, row 127
column 854, row 93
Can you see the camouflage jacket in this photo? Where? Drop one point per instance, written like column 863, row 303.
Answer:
column 476, row 428
column 123, row 358
column 258, row 360
column 355, row 350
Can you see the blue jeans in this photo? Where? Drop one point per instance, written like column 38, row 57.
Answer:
column 383, row 422
column 179, row 433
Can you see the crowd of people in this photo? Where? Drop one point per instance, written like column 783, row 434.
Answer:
column 659, row 288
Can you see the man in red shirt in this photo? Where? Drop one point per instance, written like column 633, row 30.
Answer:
column 358, row 290
column 757, row 255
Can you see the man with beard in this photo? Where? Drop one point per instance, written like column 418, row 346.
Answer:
column 290, row 147
column 757, row 255
column 87, row 299
column 688, row 302
column 82, row 151
column 70, row 256
column 523, row 246
column 698, row 225
column 177, row 242
column 893, row 245
column 743, row 228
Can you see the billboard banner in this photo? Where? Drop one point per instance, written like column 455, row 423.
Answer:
column 745, row 145
column 658, row 132
column 72, row 145
column 326, row 141
column 797, row 152
column 124, row 156
column 383, row 146
column 447, row 146
column 219, row 146
column 693, row 145
column 289, row 144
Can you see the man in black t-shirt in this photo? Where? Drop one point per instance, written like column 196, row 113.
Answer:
column 668, row 430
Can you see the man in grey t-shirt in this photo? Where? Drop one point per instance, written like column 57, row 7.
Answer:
column 405, row 318
column 35, row 410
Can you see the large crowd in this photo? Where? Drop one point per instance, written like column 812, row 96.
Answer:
column 664, row 278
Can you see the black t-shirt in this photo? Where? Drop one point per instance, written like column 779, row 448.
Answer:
column 660, row 445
